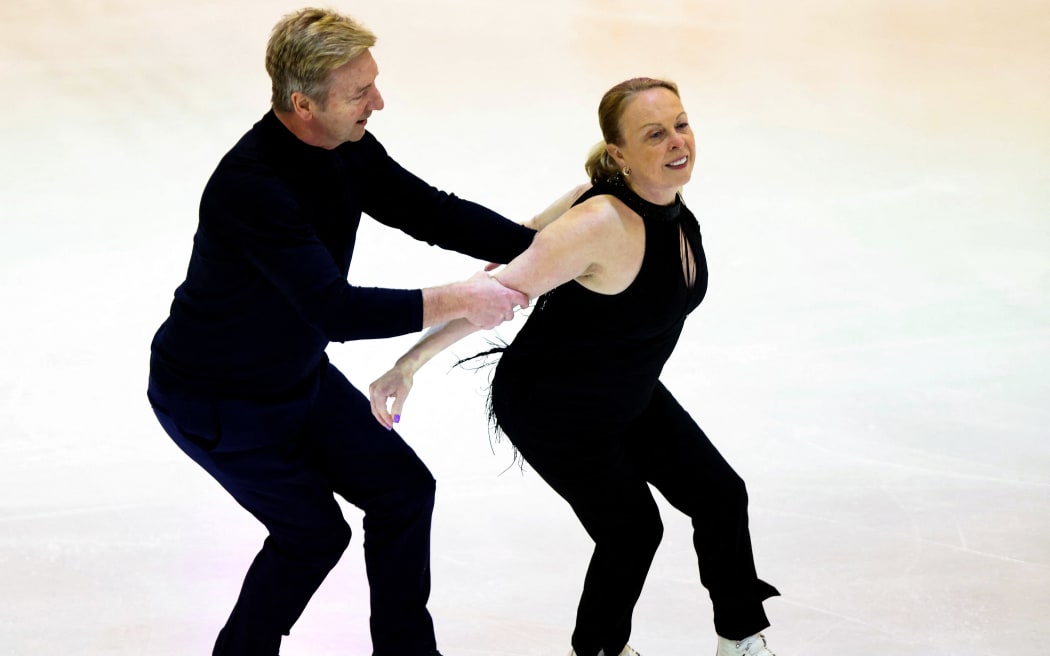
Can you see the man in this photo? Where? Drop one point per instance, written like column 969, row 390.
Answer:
column 238, row 374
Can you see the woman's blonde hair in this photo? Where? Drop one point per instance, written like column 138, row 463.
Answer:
column 305, row 47
column 600, row 166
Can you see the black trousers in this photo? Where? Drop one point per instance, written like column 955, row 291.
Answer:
column 604, row 473
column 284, row 462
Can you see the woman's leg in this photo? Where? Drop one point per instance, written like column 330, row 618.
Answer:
column 617, row 509
column 680, row 461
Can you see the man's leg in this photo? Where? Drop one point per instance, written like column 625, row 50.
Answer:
column 257, row 453
column 375, row 470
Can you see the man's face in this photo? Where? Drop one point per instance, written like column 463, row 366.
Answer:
column 352, row 97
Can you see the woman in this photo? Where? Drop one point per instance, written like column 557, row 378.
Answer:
column 578, row 391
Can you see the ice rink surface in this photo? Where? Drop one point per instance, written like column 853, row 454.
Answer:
column 873, row 186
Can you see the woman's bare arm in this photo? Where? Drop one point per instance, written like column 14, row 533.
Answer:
column 590, row 243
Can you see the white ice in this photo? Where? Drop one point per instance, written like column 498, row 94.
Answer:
column 873, row 185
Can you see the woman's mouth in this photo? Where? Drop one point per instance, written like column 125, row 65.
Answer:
column 678, row 164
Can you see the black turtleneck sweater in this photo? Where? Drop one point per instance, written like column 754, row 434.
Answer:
column 266, row 289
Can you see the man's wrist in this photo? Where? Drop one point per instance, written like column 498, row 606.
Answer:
column 444, row 303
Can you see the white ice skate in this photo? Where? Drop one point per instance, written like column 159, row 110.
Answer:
column 751, row 646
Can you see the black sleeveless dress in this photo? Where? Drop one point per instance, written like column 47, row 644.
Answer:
column 590, row 359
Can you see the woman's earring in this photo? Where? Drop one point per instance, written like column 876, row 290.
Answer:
column 626, row 171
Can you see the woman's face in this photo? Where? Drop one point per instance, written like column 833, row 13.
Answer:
column 657, row 145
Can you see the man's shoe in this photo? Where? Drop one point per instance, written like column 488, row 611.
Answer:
column 751, row 646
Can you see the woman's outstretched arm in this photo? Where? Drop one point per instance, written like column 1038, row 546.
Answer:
column 395, row 384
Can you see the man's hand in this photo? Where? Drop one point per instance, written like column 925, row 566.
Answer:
column 489, row 303
column 480, row 299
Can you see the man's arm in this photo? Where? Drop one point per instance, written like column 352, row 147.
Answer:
column 264, row 221
column 397, row 198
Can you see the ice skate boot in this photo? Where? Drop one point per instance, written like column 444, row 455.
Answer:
column 750, row 646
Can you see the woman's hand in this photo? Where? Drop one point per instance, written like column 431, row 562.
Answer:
column 394, row 384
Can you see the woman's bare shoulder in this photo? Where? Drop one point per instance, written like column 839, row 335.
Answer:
column 607, row 209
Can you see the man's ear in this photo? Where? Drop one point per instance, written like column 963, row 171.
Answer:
column 303, row 106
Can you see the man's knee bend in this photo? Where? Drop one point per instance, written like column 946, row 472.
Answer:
column 724, row 496
column 415, row 482
column 415, row 498
column 424, row 482
column 730, row 499
column 736, row 491
column 421, row 492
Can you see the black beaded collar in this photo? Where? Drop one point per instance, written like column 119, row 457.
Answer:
column 663, row 213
